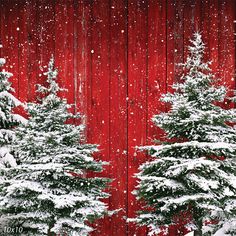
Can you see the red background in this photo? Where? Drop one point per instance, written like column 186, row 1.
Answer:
column 115, row 57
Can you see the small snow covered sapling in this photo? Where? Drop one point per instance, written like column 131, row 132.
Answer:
column 48, row 192
column 194, row 170
column 8, row 119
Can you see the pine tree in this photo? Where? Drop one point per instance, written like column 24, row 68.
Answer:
column 8, row 119
column 48, row 192
column 194, row 170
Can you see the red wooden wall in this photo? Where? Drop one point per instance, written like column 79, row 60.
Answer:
column 115, row 57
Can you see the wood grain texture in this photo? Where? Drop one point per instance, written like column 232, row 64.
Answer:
column 137, row 98
column 99, row 115
column 115, row 58
column 23, row 48
column 10, row 30
column 118, row 107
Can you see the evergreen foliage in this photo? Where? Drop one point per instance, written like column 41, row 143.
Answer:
column 8, row 119
column 48, row 191
column 195, row 169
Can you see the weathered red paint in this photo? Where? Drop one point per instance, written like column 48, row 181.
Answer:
column 115, row 58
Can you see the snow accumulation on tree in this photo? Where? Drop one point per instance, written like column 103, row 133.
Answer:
column 8, row 119
column 48, row 192
column 194, row 170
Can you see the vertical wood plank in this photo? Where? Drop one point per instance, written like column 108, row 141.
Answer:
column 46, row 36
column 213, row 35
column 10, row 30
column 82, row 52
column 22, row 52
column 118, row 114
column 227, row 46
column 32, row 62
column 137, row 95
column 234, row 16
column 192, row 23
column 99, row 128
column 157, row 56
column 205, row 26
column 188, row 30
column 178, row 38
column 1, row 26
column 64, row 47
column 170, row 47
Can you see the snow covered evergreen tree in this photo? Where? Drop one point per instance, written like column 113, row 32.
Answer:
column 48, row 191
column 8, row 119
column 194, row 169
